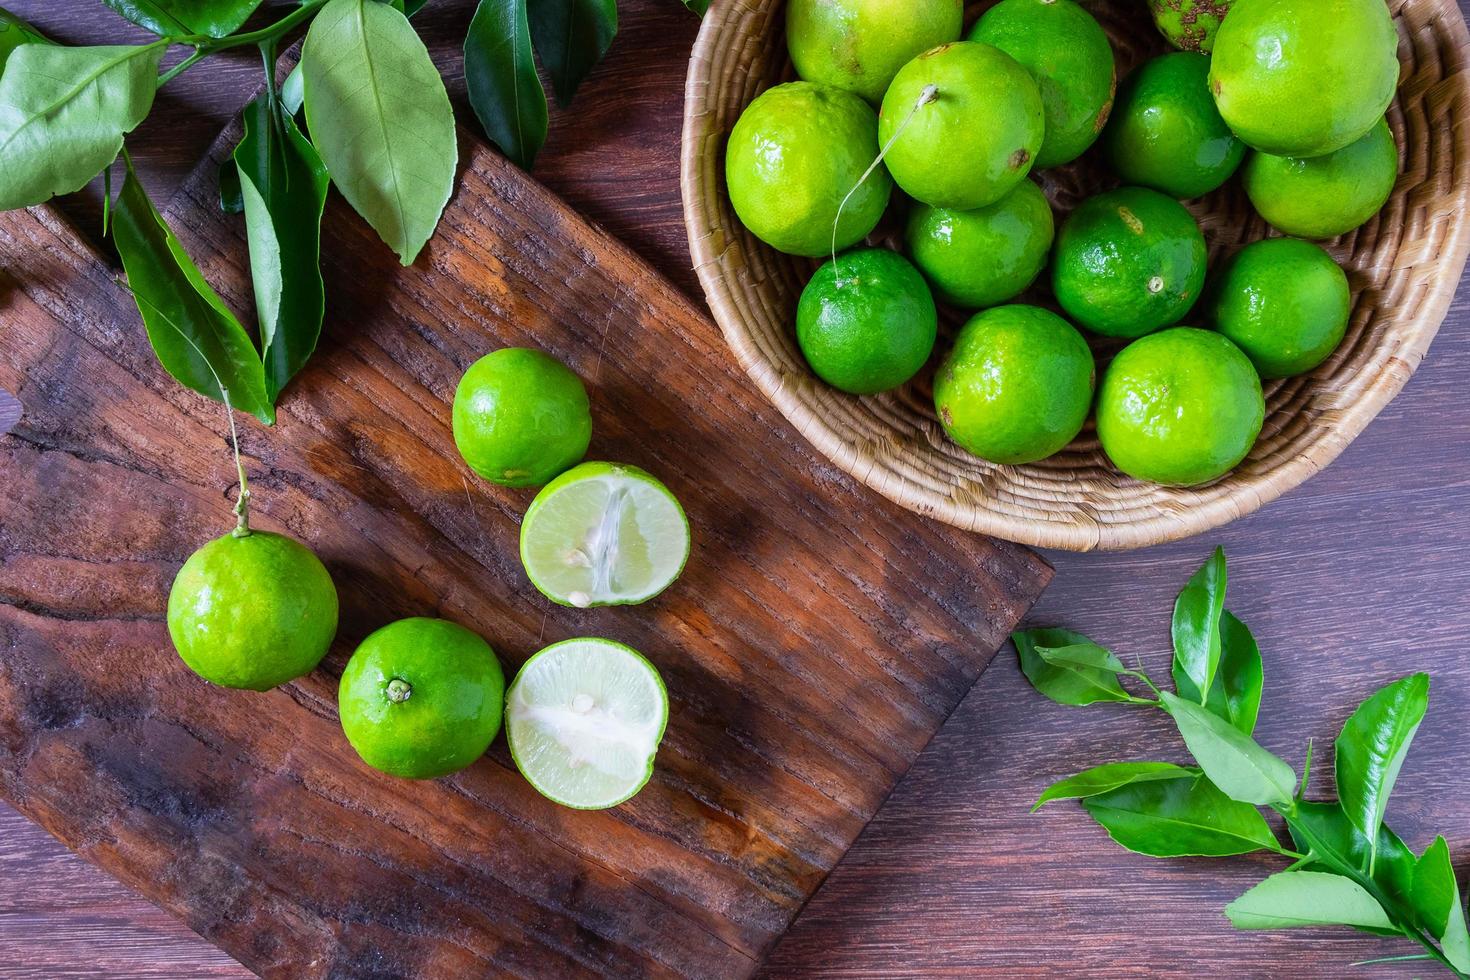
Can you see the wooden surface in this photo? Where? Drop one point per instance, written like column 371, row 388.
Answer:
column 1357, row 577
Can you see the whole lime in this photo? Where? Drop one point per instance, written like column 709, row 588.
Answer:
column 986, row 256
column 795, row 153
column 1128, row 262
column 866, row 321
column 1179, row 407
column 1284, row 302
column 1301, row 78
column 1166, row 133
column 252, row 611
column 521, row 417
column 1069, row 56
column 859, row 45
column 1189, row 24
column 965, row 121
column 1325, row 196
column 421, row 698
column 1017, row 385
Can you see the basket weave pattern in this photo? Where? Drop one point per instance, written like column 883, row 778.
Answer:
column 1403, row 266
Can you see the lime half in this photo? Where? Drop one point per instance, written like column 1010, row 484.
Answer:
column 584, row 718
column 604, row 534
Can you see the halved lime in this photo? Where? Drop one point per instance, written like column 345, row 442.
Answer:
column 584, row 718
column 604, row 534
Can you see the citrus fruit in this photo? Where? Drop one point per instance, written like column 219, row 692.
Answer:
column 421, row 698
column 866, row 321
column 584, row 718
column 1284, row 302
column 1017, row 385
column 1069, row 56
column 1325, row 196
column 858, row 45
column 604, row 534
column 1166, row 133
column 1179, row 407
column 1301, row 78
column 1128, row 262
column 520, row 417
column 793, row 156
column 252, row 611
column 979, row 136
column 986, row 256
column 1189, row 24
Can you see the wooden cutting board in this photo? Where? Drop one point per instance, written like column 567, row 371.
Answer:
column 818, row 638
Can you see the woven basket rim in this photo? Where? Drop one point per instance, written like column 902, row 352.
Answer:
column 700, row 177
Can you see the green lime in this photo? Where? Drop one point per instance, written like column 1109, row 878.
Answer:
column 1284, row 302
column 1128, row 262
column 1189, row 24
column 1166, row 132
column 421, row 698
column 1179, row 407
column 976, row 139
column 253, row 611
column 1017, row 385
column 1069, row 56
column 858, row 45
column 1326, row 196
column 521, row 417
column 866, row 322
column 584, row 718
column 983, row 257
column 796, row 152
column 1301, row 78
column 604, row 534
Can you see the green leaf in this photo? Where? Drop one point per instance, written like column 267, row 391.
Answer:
column 381, row 119
column 504, row 89
column 284, row 187
column 180, row 18
column 1233, row 761
column 571, row 36
column 1436, row 900
column 698, row 6
column 1106, row 778
column 1372, row 746
column 292, row 91
column 1307, row 898
column 1062, row 682
column 13, row 33
column 1325, row 832
column 1183, row 817
column 63, row 113
column 196, row 337
column 1196, row 628
column 231, row 198
column 1235, row 694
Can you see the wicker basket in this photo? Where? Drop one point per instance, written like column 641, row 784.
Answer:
column 1403, row 265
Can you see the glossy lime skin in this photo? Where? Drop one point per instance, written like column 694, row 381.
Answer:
column 859, row 45
column 422, row 698
column 1301, row 78
column 793, row 155
column 521, row 417
column 252, row 612
column 1017, row 385
column 1189, row 25
column 980, row 136
column 1179, row 407
column 866, row 322
column 1165, row 131
column 1284, row 302
column 1325, row 196
column 1128, row 262
column 986, row 256
column 1068, row 54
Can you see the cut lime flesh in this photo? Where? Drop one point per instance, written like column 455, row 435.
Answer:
column 603, row 534
column 584, row 719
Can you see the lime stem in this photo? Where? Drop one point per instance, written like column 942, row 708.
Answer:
column 242, row 504
column 399, row 690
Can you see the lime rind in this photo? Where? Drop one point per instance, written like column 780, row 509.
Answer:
column 584, row 719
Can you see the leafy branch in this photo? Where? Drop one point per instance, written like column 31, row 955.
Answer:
column 1348, row 867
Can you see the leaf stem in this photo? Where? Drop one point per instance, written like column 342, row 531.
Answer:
column 204, row 45
column 242, row 505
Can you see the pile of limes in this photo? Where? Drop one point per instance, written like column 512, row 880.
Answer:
column 1291, row 93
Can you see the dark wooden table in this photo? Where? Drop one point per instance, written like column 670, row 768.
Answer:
column 1356, row 578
